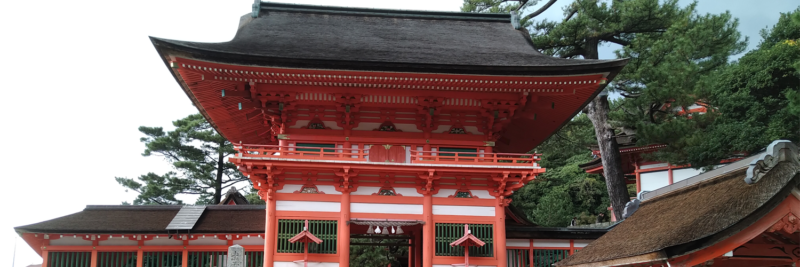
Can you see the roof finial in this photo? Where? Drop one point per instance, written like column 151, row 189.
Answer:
column 778, row 151
column 256, row 8
column 515, row 19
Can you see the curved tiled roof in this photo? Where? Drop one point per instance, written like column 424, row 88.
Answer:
column 368, row 39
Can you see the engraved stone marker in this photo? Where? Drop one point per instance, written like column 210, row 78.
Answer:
column 235, row 256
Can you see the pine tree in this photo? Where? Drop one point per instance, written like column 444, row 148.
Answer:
column 199, row 155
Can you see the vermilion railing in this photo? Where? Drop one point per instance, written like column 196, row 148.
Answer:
column 300, row 152
column 362, row 154
column 480, row 158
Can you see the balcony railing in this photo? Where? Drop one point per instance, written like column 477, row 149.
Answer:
column 408, row 156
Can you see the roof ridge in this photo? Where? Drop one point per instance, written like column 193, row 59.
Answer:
column 341, row 10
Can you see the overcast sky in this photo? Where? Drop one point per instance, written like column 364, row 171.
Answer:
column 79, row 77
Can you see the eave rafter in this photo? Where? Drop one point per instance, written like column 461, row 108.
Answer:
column 445, row 82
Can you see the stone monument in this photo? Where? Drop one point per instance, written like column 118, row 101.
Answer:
column 235, row 256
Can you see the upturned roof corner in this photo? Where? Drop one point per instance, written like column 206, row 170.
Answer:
column 778, row 151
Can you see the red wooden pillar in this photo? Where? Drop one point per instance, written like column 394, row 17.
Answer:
column 669, row 172
column 344, row 230
column 185, row 257
column 530, row 252
column 93, row 258
column 638, row 177
column 427, row 230
column 139, row 257
column 500, row 232
column 270, row 233
column 45, row 261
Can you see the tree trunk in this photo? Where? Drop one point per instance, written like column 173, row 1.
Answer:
column 218, row 183
column 597, row 111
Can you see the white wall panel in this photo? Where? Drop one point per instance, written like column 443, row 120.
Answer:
column 328, row 189
column 252, row 240
column 482, row 194
column 208, row 241
column 445, row 193
column 654, row 180
column 556, row 243
column 365, row 191
column 310, row 264
column 386, row 208
column 463, row 210
column 69, row 241
column 163, row 241
column 682, row 174
column 518, row 243
column 290, row 188
column 407, row 192
column 307, row 206
column 118, row 242
column 579, row 243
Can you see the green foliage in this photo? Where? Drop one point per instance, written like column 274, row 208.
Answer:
column 374, row 255
column 589, row 23
column 756, row 100
column 198, row 154
column 565, row 190
column 488, row 6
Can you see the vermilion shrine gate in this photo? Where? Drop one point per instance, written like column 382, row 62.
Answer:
column 355, row 118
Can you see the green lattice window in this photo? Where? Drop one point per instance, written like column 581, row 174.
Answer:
column 206, row 259
column 323, row 229
column 162, row 259
column 546, row 257
column 116, row 259
column 254, row 258
column 518, row 258
column 69, row 259
column 446, row 233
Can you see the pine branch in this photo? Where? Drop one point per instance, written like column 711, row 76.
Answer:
column 542, row 9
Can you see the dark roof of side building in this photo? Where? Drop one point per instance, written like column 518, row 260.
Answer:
column 151, row 219
column 692, row 217
column 305, row 36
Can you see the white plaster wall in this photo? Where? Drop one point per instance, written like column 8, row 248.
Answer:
column 463, row 210
column 252, row 240
column 386, row 208
column 518, row 243
column 163, row 241
column 118, row 242
column 288, row 205
column 328, row 189
column 557, row 243
column 407, row 192
column 365, row 190
column 445, row 193
column 654, row 180
column 484, row 194
column 310, row 264
column 208, row 241
column 682, row 174
column 579, row 243
column 70, row 241
column 290, row 188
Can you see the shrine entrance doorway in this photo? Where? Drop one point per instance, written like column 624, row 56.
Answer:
column 386, row 243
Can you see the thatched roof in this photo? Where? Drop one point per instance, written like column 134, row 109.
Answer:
column 690, row 218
